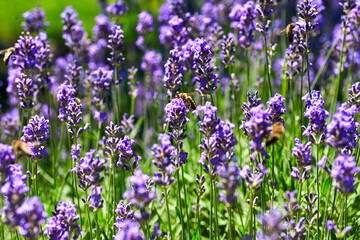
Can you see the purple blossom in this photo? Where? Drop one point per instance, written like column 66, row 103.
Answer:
column 252, row 102
column 302, row 153
column 72, row 74
column 253, row 180
column 139, row 194
column 341, row 133
column 204, row 67
column 129, row 230
column 117, row 9
column 63, row 224
column 209, row 121
column 74, row 118
column 301, row 175
column 176, row 112
column 225, row 142
column 13, row 190
column 116, row 46
column 73, row 31
column 32, row 216
column 102, row 28
column 229, row 181
column 26, row 88
column 34, row 20
column 264, row 9
column 112, row 131
column 272, row 225
column 257, row 128
column 173, row 71
column 164, row 154
column 99, row 81
column 330, row 225
column 243, row 22
column 123, row 212
column 36, row 133
column 89, row 170
column 6, row 157
column 65, row 92
column 276, row 108
column 317, row 116
column 343, row 172
column 96, row 202
column 127, row 124
column 145, row 24
column 151, row 65
column 26, row 53
column 354, row 94
column 228, row 50
column 128, row 159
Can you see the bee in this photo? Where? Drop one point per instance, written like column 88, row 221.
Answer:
column 288, row 31
column 277, row 130
column 21, row 148
column 7, row 54
column 189, row 102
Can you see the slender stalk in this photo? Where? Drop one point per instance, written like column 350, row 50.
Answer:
column 168, row 213
column 114, row 192
column 186, row 205
column 97, row 225
column 230, row 224
column 75, row 181
column 36, row 177
column 180, row 205
column 267, row 72
column 216, row 211
column 109, row 211
column 198, row 214
column 273, row 176
column 132, row 104
column 307, row 64
column 211, row 205
column 88, row 213
column 318, row 192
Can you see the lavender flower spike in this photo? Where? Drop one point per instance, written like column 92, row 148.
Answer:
column 343, row 172
column 127, row 158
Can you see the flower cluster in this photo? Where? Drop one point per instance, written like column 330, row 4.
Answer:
column 204, row 67
column 6, row 157
column 264, row 9
column 116, row 46
column 354, row 94
column 34, row 20
column 95, row 201
column 74, row 118
column 35, row 134
column 112, row 132
column 343, row 172
column 117, row 9
column 63, row 224
column 129, row 230
column 73, row 31
column 341, row 133
column 276, row 108
column 173, row 71
column 272, row 225
column 127, row 124
column 302, row 153
column 89, row 170
column 317, row 116
column 230, row 180
column 128, row 159
column 65, row 92
column 243, row 22
column 176, row 112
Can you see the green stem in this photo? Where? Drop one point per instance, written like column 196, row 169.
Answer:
column 179, row 196
column 114, row 193
column 186, row 204
column 273, row 175
column 307, row 64
column 230, row 224
column 267, row 71
column 318, row 193
column 168, row 213
column 132, row 105
column 198, row 215
column 217, row 235
column 97, row 225
column 325, row 212
column 88, row 213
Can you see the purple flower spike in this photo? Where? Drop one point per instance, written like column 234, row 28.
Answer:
column 26, row 90
column 74, row 118
column 276, row 108
column 102, row 28
column 173, row 71
column 123, row 212
column 139, row 194
column 129, row 230
column 6, row 157
column 128, row 159
column 343, row 172
column 96, row 202
column 73, row 31
column 116, row 46
column 341, row 133
column 89, row 170
column 63, row 224
column 272, row 225
column 204, row 67
column 127, row 124
column 229, row 181
column 176, row 112
column 354, row 94
column 34, row 20
column 36, row 133
column 145, row 24
column 317, row 116
column 117, row 9
column 302, row 153
column 164, row 154
column 32, row 216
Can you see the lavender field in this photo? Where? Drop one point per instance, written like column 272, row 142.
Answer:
column 219, row 119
